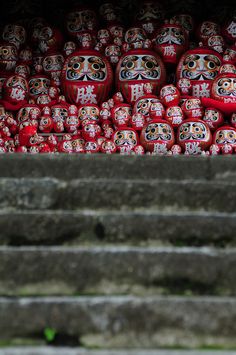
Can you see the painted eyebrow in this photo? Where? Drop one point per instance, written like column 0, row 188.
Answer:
column 80, row 59
column 191, row 57
column 131, row 57
column 221, row 81
column 212, row 57
column 147, row 57
column 94, row 59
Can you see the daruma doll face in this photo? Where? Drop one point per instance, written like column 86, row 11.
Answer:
column 136, row 68
column 224, row 88
column 86, row 77
column 194, row 131
column 157, row 132
column 200, row 66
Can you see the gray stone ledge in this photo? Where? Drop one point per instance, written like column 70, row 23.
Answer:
column 70, row 351
column 119, row 270
column 121, row 322
column 51, row 193
column 143, row 226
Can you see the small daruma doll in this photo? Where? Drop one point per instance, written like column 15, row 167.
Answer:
column 207, row 29
column 149, row 15
column 174, row 115
column 86, row 77
column 121, row 114
column 143, row 104
column 223, row 94
column 80, row 20
column 170, row 95
column 137, row 68
column 89, row 113
column 224, row 88
column 170, row 42
column 15, row 92
column 201, row 66
column 8, row 56
column 194, row 136
column 50, row 38
column 14, row 34
column 38, row 85
column 125, row 139
column 52, row 66
column 225, row 135
column 157, row 135
column 193, row 108
column 213, row 117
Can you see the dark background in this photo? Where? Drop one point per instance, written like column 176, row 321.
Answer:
column 54, row 10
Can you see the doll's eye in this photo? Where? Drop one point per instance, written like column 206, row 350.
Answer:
column 153, row 130
column 129, row 65
column 192, row 64
column 211, row 65
column 96, row 66
column 226, row 85
column 149, row 65
column 76, row 66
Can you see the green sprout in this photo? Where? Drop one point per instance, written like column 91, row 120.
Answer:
column 50, row 334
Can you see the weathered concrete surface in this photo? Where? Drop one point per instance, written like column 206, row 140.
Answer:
column 116, row 166
column 51, row 193
column 120, row 322
column 144, row 226
column 71, row 351
column 117, row 270
column 126, row 167
column 105, row 166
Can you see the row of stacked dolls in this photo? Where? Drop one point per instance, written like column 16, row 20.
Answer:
column 168, row 125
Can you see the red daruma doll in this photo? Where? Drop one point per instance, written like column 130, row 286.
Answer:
column 201, row 66
column 194, row 136
column 15, row 92
column 157, row 135
column 137, row 68
column 225, row 135
column 170, row 95
column 170, row 42
column 86, row 77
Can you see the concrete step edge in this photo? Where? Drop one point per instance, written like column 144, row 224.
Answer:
column 78, row 351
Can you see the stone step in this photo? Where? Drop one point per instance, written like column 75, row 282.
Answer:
column 28, row 271
column 67, row 167
column 124, row 321
column 51, row 193
column 145, row 227
column 77, row 351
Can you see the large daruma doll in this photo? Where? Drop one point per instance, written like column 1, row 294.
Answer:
column 201, row 66
column 86, row 77
column 136, row 68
